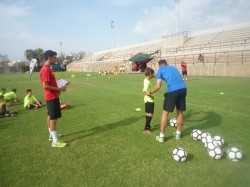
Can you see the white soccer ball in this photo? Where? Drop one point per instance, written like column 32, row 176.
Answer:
column 234, row 154
column 196, row 134
column 173, row 122
column 211, row 144
column 215, row 153
column 219, row 140
column 179, row 154
column 205, row 136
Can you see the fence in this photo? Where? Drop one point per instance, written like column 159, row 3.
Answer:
column 17, row 69
column 227, row 57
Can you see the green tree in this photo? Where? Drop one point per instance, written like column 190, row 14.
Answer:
column 79, row 55
column 29, row 54
column 37, row 53
column 4, row 60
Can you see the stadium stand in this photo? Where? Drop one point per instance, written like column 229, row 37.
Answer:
column 226, row 52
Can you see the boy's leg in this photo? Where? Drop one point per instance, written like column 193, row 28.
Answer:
column 149, row 117
column 39, row 104
column 149, row 109
column 2, row 108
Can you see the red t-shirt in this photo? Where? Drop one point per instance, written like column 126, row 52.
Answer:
column 47, row 75
column 183, row 66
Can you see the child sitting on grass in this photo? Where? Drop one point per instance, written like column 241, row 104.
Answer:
column 4, row 110
column 30, row 102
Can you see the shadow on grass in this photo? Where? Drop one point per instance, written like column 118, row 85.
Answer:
column 190, row 157
column 210, row 119
column 100, row 129
column 5, row 122
column 75, row 106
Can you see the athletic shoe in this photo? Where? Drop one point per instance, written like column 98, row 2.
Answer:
column 177, row 136
column 58, row 136
column 159, row 139
column 58, row 144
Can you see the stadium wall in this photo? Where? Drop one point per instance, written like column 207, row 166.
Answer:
column 232, row 70
column 225, row 51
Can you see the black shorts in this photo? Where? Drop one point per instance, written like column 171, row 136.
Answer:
column 54, row 109
column 149, row 107
column 30, row 106
column 176, row 98
column 184, row 73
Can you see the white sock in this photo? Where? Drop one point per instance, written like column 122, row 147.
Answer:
column 161, row 135
column 54, row 136
column 178, row 132
column 49, row 131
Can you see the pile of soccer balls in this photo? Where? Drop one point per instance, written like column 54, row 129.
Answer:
column 213, row 145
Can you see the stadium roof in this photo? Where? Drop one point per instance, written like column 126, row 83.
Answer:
column 141, row 57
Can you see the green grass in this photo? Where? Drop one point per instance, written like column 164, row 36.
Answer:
column 106, row 143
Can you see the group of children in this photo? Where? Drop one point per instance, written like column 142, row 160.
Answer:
column 8, row 98
column 29, row 102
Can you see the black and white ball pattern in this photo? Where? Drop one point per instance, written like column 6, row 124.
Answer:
column 179, row 154
column 215, row 153
column 234, row 154
column 173, row 122
column 219, row 140
column 196, row 134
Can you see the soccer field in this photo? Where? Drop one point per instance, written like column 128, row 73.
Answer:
column 106, row 146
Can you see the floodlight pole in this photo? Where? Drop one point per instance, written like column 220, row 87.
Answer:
column 113, row 29
column 177, row 14
column 61, row 48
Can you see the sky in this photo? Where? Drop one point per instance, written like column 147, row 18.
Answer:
column 85, row 25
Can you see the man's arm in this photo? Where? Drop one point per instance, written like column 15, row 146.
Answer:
column 46, row 86
column 156, row 87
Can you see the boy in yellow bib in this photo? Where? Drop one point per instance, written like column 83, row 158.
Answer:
column 30, row 102
column 148, row 100
column 11, row 97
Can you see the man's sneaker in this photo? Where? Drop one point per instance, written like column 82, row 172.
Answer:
column 58, row 136
column 159, row 139
column 58, row 144
column 177, row 136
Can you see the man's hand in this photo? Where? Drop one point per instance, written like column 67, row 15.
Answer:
column 147, row 93
column 63, row 89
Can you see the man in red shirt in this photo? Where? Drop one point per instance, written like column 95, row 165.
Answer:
column 51, row 94
column 184, row 69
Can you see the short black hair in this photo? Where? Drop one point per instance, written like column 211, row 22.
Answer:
column 48, row 54
column 148, row 71
column 162, row 62
column 28, row 90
